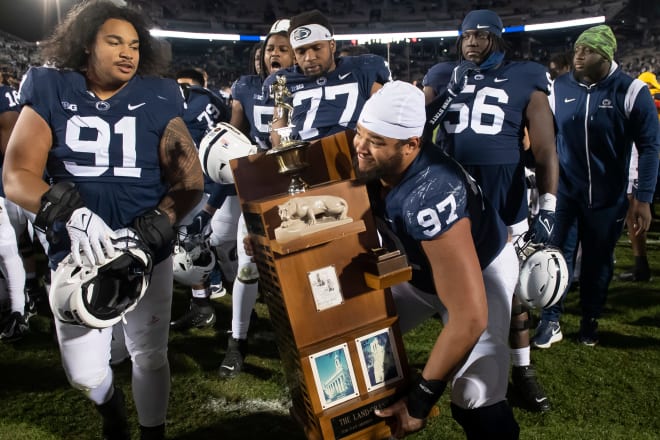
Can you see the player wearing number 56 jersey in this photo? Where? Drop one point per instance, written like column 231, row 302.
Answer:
column 484, row 125
column 494, row 102
column 119, row 155
column 327, row 92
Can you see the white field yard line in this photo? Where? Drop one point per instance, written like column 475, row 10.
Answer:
column 250, row 406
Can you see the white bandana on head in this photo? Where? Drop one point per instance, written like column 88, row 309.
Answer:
column 395, row 111
column 309, row 33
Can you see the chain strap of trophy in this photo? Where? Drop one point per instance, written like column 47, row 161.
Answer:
column 291, row 153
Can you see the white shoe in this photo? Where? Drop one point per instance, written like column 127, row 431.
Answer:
column 217, row 291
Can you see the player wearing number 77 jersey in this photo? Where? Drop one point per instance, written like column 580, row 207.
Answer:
column 119, row 155
column 328, row 93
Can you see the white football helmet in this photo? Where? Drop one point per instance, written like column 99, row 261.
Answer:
column 98, row 296
column 192, row 262
column 543, row 274
column 220, row 145
column 281, row 25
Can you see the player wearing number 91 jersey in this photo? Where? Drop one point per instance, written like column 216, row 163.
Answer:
column 112, row 140
column 100, row 145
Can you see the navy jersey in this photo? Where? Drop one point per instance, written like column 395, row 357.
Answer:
column 204, row 109
column 435, row 193
column 8, row 99
column 597, row 126
column 485, row 122
column 110, row 148
column 438, row 76
column 8, row 103
column 257, row 107
column 329, row 104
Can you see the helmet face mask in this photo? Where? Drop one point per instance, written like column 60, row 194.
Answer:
column 219, row 146
column 543, row 276
column 99, row 296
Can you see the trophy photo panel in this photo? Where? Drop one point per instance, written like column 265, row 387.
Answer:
column 378, row 358
column 334, row 376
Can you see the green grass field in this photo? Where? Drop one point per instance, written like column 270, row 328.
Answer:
column 610, row 391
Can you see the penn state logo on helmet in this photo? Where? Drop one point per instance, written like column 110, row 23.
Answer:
column 219, row 146
column 192, row 261
column 543, row 274
column 98, row 296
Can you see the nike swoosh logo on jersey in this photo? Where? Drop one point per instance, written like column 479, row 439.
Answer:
column 133, row 107
column 227, row 367
column 345, row 75
column 540, row 400
column 567, row 100
column 499, row 80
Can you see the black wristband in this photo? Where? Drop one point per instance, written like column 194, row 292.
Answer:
column 423, row 395
column 155, row 230
column 57, row 204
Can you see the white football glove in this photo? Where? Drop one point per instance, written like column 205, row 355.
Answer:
column 89, row 233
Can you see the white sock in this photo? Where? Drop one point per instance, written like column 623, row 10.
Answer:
column 199, row 293
column 244, row 296
column 520, row 356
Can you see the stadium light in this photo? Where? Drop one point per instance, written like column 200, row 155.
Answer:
column 203, row 35
column 565, row 24
column 384, row 37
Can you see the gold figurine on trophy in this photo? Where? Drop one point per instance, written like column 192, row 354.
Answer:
column 281, row 94
column 290, row 152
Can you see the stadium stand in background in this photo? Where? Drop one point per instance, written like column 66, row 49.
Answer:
column 635, row 22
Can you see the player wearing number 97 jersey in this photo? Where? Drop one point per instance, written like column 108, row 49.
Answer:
column 463, row 267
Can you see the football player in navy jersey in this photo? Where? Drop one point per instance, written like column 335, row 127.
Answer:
column 494, row 100
column 204, row 108
column 115, row 146
column 463, row 267
column 252, row 107
column 328, row 91
column 14, row 323
column 215, row 215
column 252, row 110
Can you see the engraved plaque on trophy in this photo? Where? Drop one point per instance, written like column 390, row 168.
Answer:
column 291, row 153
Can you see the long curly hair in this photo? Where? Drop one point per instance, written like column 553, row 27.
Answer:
column 66, row 47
